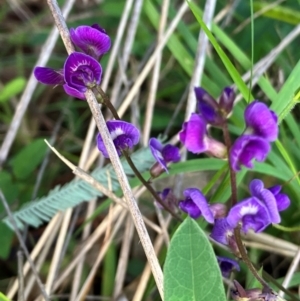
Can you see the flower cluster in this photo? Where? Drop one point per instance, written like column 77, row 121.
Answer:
column 81, row 70
column 263, row 205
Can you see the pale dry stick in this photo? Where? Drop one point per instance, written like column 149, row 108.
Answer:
column 202, row 47
column 123, row 258
column 86, row 246
column 263, row 247
column 131, row 32
column 87, row 284
column 270, row 240
column 23, row 246
column 155, row 75
column 139, row 293
column 41, row 258
column 20, row 276
column 126, row 102
column 91, row 130
column 30, row 87
column 262, row 65
column 51, row 228
column 80, row 173
column 257, row 14
column 291, row 271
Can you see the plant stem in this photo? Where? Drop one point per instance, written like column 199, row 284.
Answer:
column 104, row 99
column 237, row 233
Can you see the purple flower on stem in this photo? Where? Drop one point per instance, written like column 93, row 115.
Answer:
column 92, row 40
column 124, row 135
column 222, row 232
column 247, row 148
column 80, row 73
column 261, row 121
column 164, row 154
column 195, row 139
column 282, row 200
column 260, row 210
column 195, row 205
column 227, row 265
column 215, row 113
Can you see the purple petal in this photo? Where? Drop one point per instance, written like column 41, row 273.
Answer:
column 200, row 201
column 92, row 40
column 156, row 150
column 247, row 148
column 261, row 120
column 73, row 92
column 81, row 71
column 171, row 153
column 221, row 231
column 193, row 134
column 227, row 265
column 189, row 207
column 255, row 187
column 48, row 76
column 124, row 135
column 252, row 213
column 282, row 200
column 227, row 100
column 208, row 107
column 218, row 210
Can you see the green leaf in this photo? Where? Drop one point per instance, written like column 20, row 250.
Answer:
column 12, row 88
column 26, row 161
column 191, row 271
column 6, row 238
column 3, row 297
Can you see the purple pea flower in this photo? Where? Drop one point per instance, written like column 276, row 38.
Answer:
column 92, row 40
column 80, row 73
column 195, row 205
column 124, row 135
column 261, row 121
column 164, row 154
column 222, row 232
column 195, row 139
column 260, row 210
column 214, row 113
column 246, row 149
column 227, row 265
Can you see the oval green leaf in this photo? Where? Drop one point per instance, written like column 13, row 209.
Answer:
column 191, row 271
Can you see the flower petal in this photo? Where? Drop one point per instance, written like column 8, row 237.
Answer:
column 92, row 40
column 247, row 148
column 199, row 199
column 221, row 231
column 48, row 76
column 193, row 134
column 227, row 265
column 81, row 71
column 252, row 213
column 261, row 120
column 227, row 100
column 73, row 92
column 282, row 200
column 156, row 150
column 171, row 153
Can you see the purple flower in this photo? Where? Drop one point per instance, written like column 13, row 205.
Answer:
column 222, row 232
column 92, row 40
column 80, row 73
column 227, row 265
column 247, row 148
column 195, row 139
column 124, row 135
column 260, row 210
column 164, row 154
column 208, row 107
column 282, row 199
column 261, row 121
column 213, row 112
column 195, row 205
column 226, row 100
